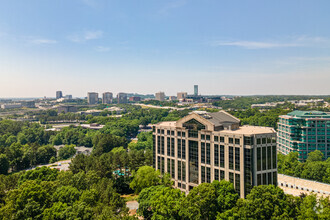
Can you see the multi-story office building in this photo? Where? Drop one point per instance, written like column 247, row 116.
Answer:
column 134, row 99
column 107, row 98
column 59, row 94
column 213, row 146
column 303, row 132
column 160, row 96
column 196, row 90
column 181, row 95
column 92, row 98
column 121, row 97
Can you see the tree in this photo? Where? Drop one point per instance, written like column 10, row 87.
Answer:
column 145, row 199
column 4, row 164
column 145, row 177
column 104, row 143
column 315, row 156
column 66, row 152
column 226, row 195
column 167, row 203
column 200, row 203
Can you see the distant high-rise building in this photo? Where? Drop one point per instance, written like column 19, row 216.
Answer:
column 304, row 132
column 181, row 95
column 59, row 94
column 134, row 99
column 160, row 96
column 121, row 97
column 196, row 90
column 107, row 98
column 92, row 98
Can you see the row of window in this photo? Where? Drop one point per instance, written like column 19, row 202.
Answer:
column 266, row 158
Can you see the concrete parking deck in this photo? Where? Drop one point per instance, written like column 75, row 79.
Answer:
column 297, row 186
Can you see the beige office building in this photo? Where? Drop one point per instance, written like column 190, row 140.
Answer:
column 160, row 96
column 92, row 98
column 214, row 146
column 107, row 98
column 181, row 95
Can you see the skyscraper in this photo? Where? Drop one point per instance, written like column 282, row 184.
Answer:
column 121, row 97
column 59, row 94
column 107, row 98
column 92, row 98
column 160, row 96
column 213, row 146
column 196, row 90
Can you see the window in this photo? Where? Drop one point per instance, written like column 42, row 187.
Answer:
column 154, row 151
column 179, row 170
column 248, row 164
column 231, row 177
column 222, row 175
column 203, row 136
column 269, row 175
column 193, row 161
column 179, row 148
column 216, row 155
column 183, row 171
column 237, row 158
column 258, row 141
column 202, row 174
column 163, row 165
column 168, row 132
column 258, row 159
column 183, row 149
column 264, row 179
column 248, row 140
column 231, row 141
column 172, row 147
column 231, row 158
column 216, row 174
column 259, row 179
column 179, row 133
column 237, row 183
column 202, row 152
column 183, row 134
column 264, row 158
column 162, row 145
column 269, row 157
column 237, row 141
column 158, row 162
column 208, row 154
column 269, row 140
column 216, row 138
column 222, row 156
column 168, row 166
column 158, row 144
column 274, row 156
column 264, row 141
column 173, row 168
column 208, row 137
column 193, row 126
column 222, row 139
column 275, row 178
column 172, row 133
column 208, row 174
column 168, row 146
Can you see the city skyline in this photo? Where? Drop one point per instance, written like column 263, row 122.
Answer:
column 227, row 48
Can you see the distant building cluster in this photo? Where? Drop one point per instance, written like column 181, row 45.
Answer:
column 297, row 103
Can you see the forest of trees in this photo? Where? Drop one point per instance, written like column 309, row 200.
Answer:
column 315, row 168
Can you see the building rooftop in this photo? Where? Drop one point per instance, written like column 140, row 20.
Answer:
column 246, row 129
column 167, row 123
column 309, row 114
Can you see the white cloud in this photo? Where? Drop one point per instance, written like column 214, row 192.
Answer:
column 254, row 44
column 295, row 41
column 172, row 5
column 41, row 41
column 102, row 49
column 85, row 36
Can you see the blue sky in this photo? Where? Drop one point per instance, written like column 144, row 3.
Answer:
column 226, row 47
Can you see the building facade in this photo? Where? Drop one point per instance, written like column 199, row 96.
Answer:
column 134, row 99
column 304, row 132
column 121, row 97
column 195, row 90
column 59, row 94
column 181, row 95
column 213, row 146
column 107, row 98
column 92, row 98
column 160, row 96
